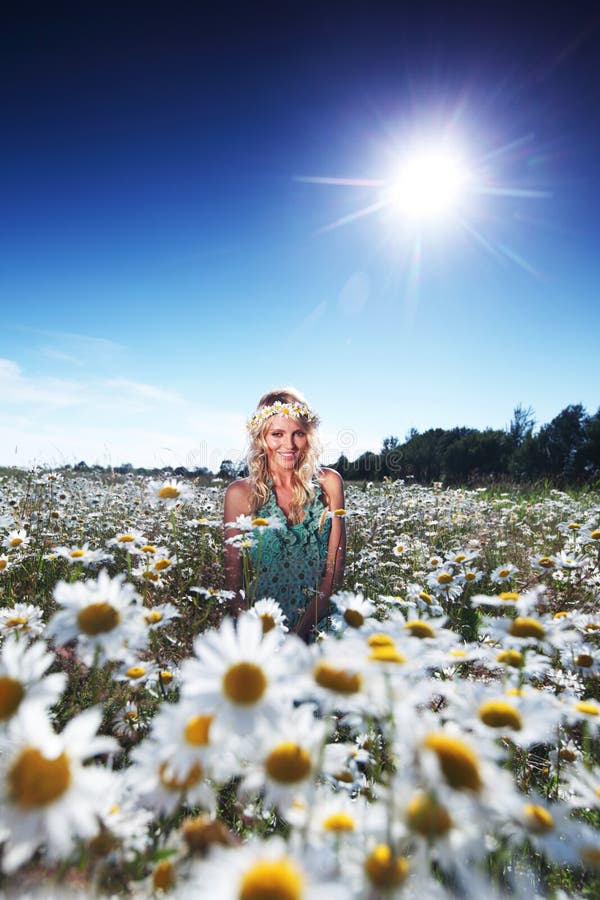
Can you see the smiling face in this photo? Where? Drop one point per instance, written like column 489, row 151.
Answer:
column 286, row 441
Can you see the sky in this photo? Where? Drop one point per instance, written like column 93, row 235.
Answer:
column 202, row 202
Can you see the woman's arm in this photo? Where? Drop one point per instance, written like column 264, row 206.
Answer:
column 236, row 504
column 336, row 556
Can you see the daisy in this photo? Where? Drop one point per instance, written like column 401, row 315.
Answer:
column 288, row 759
column 165, row 787
column 4, row 563
column 159, row 615
column 247, row 674
column 169, row 494
column 48, row 797
column 354, row 612
column 22, row 670
column 503, row 573
column 22, row 618
column 103, row 615
column 137, row 673
column 187, row 733
column 82, row 554
column 270, row 614
column 16, row 539
column 259, row 870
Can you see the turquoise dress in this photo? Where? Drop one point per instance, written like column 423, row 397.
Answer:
column 289, row 562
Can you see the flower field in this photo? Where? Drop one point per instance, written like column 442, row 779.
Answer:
column 441, row 739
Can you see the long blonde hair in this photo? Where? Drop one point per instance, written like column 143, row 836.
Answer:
column 304, row 473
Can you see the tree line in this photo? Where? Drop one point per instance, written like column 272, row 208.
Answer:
column 566, row 451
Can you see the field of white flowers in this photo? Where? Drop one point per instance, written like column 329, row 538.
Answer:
column 440, row 740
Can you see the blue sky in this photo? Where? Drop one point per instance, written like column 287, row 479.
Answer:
column 167, row 251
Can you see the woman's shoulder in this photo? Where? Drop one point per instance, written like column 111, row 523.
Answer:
column 329, row 478
column 239, row 489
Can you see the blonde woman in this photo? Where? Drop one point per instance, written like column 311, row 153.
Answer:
column 300, row 561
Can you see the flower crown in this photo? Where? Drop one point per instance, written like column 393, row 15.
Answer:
column 292, row 410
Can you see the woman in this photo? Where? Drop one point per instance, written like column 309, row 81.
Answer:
column 298, row 548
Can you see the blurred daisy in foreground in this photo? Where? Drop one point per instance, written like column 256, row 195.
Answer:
column 103, row 615
column 47, row 796
column 287, row 759
column 260, row 870
column 245, row 674
column 23, row 677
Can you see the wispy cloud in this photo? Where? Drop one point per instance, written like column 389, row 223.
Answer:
column 142, row 391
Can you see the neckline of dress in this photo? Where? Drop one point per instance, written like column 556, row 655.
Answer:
column 283, row 515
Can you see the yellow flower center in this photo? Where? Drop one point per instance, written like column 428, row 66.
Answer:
column 340, row 513
column 340, row 680
column 11, row 694
column 163, row 877
column 560, row 615
column 538, row 819
column 161, row 564
column 126, row 538
column 500, row 714
column 272, row 880
column 135, row 672
column 595, row 535
column 526, row 627
column 511, row 658
column 166, row 677
column 459, row 653
column 197, row 730
column 460, row 557
column 153, row 616
column 380, row 640
column 15, row 621
column 148, row 548
column 383, row 869
column 244, row 683
column 172, row 783
column 260, row 522
column 386, row 653
column 573, row 526
column 288, row 763
column 268, row 622
column 587, row 707
column 98, row 618
column 444, row 578
column 584, row 660
column 420, row 629
column 34, row 781
column 151, row 576
column 426, row 597
column 427, row 817
column 3, row 564
column 77, row 554
column 354, row 618
column 338, row 822
column 470, row 576
column 503, row 573
column 14, row 542
column 546, row 563
column 458, row 762
column 168, row 492
column 508, row 596
column 592, row 626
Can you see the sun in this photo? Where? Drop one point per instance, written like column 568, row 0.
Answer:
column 430, row 185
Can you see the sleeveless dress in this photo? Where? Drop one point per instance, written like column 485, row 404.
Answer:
column 289, row 562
